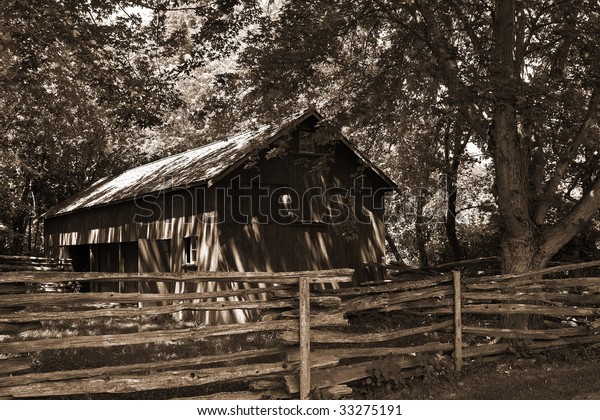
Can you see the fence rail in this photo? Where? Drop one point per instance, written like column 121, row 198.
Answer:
column 26, row 263
column 311, row 345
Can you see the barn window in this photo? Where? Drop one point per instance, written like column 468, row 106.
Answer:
column 285, row 205
column 190, row 249
column 306, row 143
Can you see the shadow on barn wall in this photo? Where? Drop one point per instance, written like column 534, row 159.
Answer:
column 275, row 199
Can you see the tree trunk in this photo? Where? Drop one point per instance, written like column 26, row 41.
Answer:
column 450, row 223
column 453, row 151
column 520, row 256
column 393, row 248
column 421, row 230
column 511, row 154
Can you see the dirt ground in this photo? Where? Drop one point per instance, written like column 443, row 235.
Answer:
column 557, row 375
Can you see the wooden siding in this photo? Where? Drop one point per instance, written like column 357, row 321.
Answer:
column 225, row 243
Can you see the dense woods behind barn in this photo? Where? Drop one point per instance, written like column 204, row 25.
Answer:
column 380, row 333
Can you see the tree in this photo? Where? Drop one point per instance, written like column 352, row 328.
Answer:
column 523, row 75
column 78, row 82
column 550, row 54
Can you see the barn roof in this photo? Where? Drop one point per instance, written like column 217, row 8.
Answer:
column 205, row 164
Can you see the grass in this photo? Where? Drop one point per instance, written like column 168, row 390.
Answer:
column 563, row 374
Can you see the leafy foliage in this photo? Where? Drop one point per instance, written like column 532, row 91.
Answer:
column 519, row 78
column 93, row 87
column 77, row 82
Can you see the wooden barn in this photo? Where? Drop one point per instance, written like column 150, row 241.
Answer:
column 277, row 198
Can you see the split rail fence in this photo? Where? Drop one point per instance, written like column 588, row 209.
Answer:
column 26, row 263
column 307, row 335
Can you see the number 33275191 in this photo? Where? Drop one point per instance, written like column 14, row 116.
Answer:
column 370, row 410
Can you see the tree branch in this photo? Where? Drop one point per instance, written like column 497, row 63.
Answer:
column 521, row 42
column 591, row 117
column 442, row 52
column 163, row 7
column 467, row 26
column 568, row 226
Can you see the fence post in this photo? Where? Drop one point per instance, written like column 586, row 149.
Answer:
column 304, row 294
column 457, row 322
